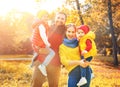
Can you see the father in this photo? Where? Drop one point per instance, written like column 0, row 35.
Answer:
column 56, row 35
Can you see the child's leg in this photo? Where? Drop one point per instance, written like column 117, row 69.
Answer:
column 89, row 59
column 83, row 72
column 49, row 57
column 83, row 79
column 47, row 60
column 34, row 58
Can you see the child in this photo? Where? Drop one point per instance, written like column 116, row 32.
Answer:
column 87, row 49
column 40, row 41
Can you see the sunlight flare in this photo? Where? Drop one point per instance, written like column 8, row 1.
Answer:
column 28, row 5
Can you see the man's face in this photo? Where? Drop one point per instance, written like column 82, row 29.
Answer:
column 60, row 19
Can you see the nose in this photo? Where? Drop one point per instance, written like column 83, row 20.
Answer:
column 71, row 33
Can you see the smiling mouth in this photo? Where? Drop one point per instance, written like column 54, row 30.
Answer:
column 71, row 36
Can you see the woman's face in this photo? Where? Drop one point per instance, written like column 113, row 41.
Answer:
column 70, row 33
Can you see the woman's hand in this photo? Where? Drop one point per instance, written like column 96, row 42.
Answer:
column 84, row 64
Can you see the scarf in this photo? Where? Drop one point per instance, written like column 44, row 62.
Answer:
column 70, row 43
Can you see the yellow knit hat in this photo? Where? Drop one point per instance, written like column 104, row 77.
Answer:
column 41, row 13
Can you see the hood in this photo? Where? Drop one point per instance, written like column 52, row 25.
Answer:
column 90, row 35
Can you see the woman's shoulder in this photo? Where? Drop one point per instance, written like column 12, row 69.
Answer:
column 62, row 45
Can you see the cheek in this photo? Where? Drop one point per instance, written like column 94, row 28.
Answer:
column 78, row 35
column 67, row 34
column 74, row 35
column 83, row 34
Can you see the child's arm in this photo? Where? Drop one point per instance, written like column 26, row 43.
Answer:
column 88, row 46
column 43, row 35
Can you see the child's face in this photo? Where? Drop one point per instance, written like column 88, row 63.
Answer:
column 70, row 33
column 80, row 33
column 45, row 18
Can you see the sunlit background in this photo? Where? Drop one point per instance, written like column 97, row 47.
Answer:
column 16, row 17
column 31, row 6
column 28, row 5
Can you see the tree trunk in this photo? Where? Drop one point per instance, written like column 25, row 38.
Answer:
column 112, row 33
column 79, row 13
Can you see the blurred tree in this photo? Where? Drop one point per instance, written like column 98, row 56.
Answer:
column 15, row 28
column 97, row 18
column 79, row 12
column 114, row 46
column 6, row 36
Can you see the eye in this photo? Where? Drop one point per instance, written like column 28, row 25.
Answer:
column 68, row 31
column 58, row 17
column 73, row 31
column 62, row 19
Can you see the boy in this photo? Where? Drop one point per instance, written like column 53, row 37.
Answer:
column 87, row 49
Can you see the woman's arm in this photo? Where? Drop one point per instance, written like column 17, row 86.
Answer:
column 78, row 62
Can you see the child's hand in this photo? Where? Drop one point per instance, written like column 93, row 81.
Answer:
column 84, row 52
column 82, row 61
column 84, row 64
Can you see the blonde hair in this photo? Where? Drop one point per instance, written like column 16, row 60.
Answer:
column 41, row 13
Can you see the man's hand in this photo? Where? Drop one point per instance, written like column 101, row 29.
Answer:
column 44, row 51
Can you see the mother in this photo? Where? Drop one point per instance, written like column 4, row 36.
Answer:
column 70, row 58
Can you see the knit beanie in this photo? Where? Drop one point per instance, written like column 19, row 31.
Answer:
column 85, row 28
column 41, row 13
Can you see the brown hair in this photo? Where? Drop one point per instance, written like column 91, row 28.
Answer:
column 71, row 25
column 63, row 14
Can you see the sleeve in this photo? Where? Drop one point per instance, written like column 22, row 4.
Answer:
column 63, row 57
column 35, row 49
column 88, row 45
column 43, row 35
